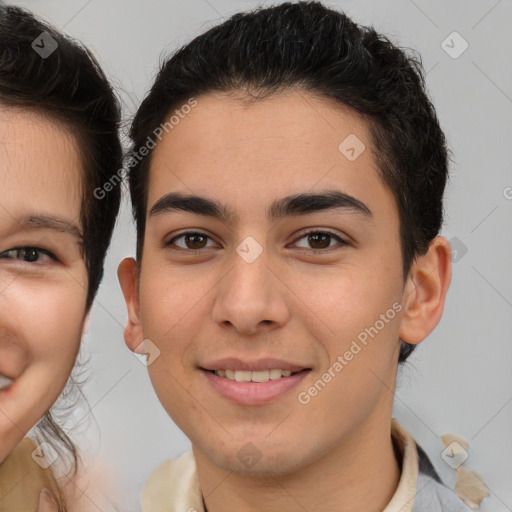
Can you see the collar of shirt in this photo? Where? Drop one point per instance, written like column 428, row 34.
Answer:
column 174, row 486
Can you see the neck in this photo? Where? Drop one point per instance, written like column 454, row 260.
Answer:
column 361, row 473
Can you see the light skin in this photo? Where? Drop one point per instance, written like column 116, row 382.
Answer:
column 304, row 307
column 43, row 278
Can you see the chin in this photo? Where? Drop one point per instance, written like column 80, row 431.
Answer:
column 252, row 462
column 268, row 469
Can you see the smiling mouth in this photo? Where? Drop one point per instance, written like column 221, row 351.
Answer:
column 255, row 376
column 5, row 382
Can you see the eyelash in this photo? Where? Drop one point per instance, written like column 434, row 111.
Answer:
column 16, row 250
column 303, row 235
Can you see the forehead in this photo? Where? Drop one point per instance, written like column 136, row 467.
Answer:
column 40, row 165
column 251, row 152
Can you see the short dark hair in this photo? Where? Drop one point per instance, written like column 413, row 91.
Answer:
column 310, row 47
column 70, row 88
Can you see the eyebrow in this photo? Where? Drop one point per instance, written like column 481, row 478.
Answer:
column 53, row 223
column 292, row 205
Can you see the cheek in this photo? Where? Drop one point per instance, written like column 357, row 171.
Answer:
column 356, row 320
column 172, row 311
column 52, row 328
column 170, row 299
column 348, row 299
column 45, row 321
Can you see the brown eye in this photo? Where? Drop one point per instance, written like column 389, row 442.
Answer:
column 319, row 240
column 29, row 255
column 196, row 240
column 193, row 241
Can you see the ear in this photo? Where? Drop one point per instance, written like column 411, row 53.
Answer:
column 128, row 279
column 425, row 291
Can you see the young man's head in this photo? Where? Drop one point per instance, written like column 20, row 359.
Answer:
column 287, row 182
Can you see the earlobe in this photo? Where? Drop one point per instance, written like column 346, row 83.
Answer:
column 425, row 291
column 128, row 279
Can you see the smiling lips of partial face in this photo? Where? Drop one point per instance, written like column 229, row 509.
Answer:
column 5, row 382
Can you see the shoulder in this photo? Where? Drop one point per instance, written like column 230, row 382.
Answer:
column 433, row 496
column 22, row 476
column 94, row 483
column 174, row 485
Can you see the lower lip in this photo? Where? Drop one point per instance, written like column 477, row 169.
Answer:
column 254, row 393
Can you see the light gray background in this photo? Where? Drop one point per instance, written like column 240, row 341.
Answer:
column 459, row 380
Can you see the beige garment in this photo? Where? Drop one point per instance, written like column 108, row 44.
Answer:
column 22, row 479
column 174, row 486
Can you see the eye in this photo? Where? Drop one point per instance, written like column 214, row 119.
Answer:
column 29, row 255
column 194, row 240
column 320, row 239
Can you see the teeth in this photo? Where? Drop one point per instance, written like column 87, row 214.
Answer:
column 277, row 374
column 5, row 382
column 261, row 376
column 256, row 376
column 243, row 376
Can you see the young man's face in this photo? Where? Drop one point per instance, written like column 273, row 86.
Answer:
column 43, row 278
column 255, row 288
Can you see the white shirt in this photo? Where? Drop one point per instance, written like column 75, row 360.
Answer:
column 175, row 487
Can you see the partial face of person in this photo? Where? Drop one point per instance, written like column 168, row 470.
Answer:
column 292, row 282
column 43, row 279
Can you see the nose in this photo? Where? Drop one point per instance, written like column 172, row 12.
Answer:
column 250, row 296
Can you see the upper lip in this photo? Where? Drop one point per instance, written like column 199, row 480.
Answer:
column 267, row 363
